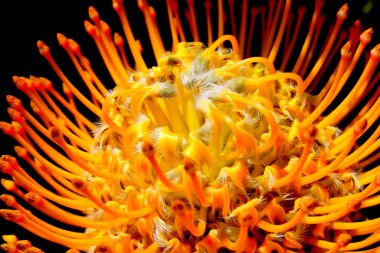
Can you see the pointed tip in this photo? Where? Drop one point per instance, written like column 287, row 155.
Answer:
column 375, row 53
column 93, row 14
column 62, row 40
column 366, row 36
column 343, row 12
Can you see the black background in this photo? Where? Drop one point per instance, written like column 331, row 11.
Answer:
column 24, row 22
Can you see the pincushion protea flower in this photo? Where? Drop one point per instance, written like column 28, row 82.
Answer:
column 211, row 149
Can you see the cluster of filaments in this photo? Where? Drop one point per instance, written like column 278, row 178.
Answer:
column 204, row 151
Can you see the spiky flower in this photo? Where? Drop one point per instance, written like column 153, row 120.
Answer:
column 210, row 149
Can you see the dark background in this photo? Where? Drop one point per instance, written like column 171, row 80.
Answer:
column 23, row 22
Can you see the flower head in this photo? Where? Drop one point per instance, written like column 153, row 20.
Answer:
column 228, row 144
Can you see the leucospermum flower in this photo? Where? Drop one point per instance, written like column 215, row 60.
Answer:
column 211, row 149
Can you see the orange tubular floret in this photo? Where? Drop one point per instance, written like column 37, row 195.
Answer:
column 80, row 243
column 219, row 42
column 357, row 130
column 94, row 32
column 347, row 105
column 154, row 35
column 254, row 13
column 211, row 243
column 365, row 38
column 371, row 117
column 78, row 204
column 351, row 206
column 220, row 18
column 205, row 151
column 369, row 147
column 193, row 20
column 346, row 53
column 305, row 47
column 269, row 117
column 148, row 150
column 49, row 116
column 300, row 15
column 69, row 218
column 184, row 220
column 172, row 25
column 350, row 246
column 82, row 120
column 57, row 136
column 363, row 196
column 56, row 156
column 11, row 202
column 119, row 8
column 312, row 49
column 305, row 204
column 280, row 33
column 270, row 25
column 45, row 51
column 196, row 183
column 119, row 42
column 243, row 27
column 248, row 61
column 341, row 16
column 82, row 186
column 102, row 37
column 231, row 5
column 50, row 178
column 309, row 136
column 67, row 45
column 40, row 158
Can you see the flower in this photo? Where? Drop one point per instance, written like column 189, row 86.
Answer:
column 209, row 149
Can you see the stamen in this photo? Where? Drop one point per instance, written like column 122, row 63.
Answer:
column 45, row 51
column 341, row 16
column 172, row 25
column 119, row 8
column 243, row 27
column 254, row 13
column 184, row 220
column 205, row 151
column 306, row 204
column 148, row 150
column 305, row 47
column 131, row 215
column 280, row 33
column 220, row 19
column 231, row 6
column 357, row 130
column 154, row 35
column 346, row 54
column 11, row 202
column 193, row 20
column 309, row 136
column 209, row 23
column 347, row 104
column 289, row 48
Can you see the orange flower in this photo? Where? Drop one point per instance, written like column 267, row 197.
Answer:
column 235, row 143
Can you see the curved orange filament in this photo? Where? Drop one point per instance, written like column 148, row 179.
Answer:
column 82, row 186
column 155, row 38
column 243, row 27
column 184, row 220
column 309, row 136
column 148, row 151
column 334, row 165
column 306, row 44
column 119, row 8
column 341, row 16
column 45, row 51
column 172, row 25
column 280, row 33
